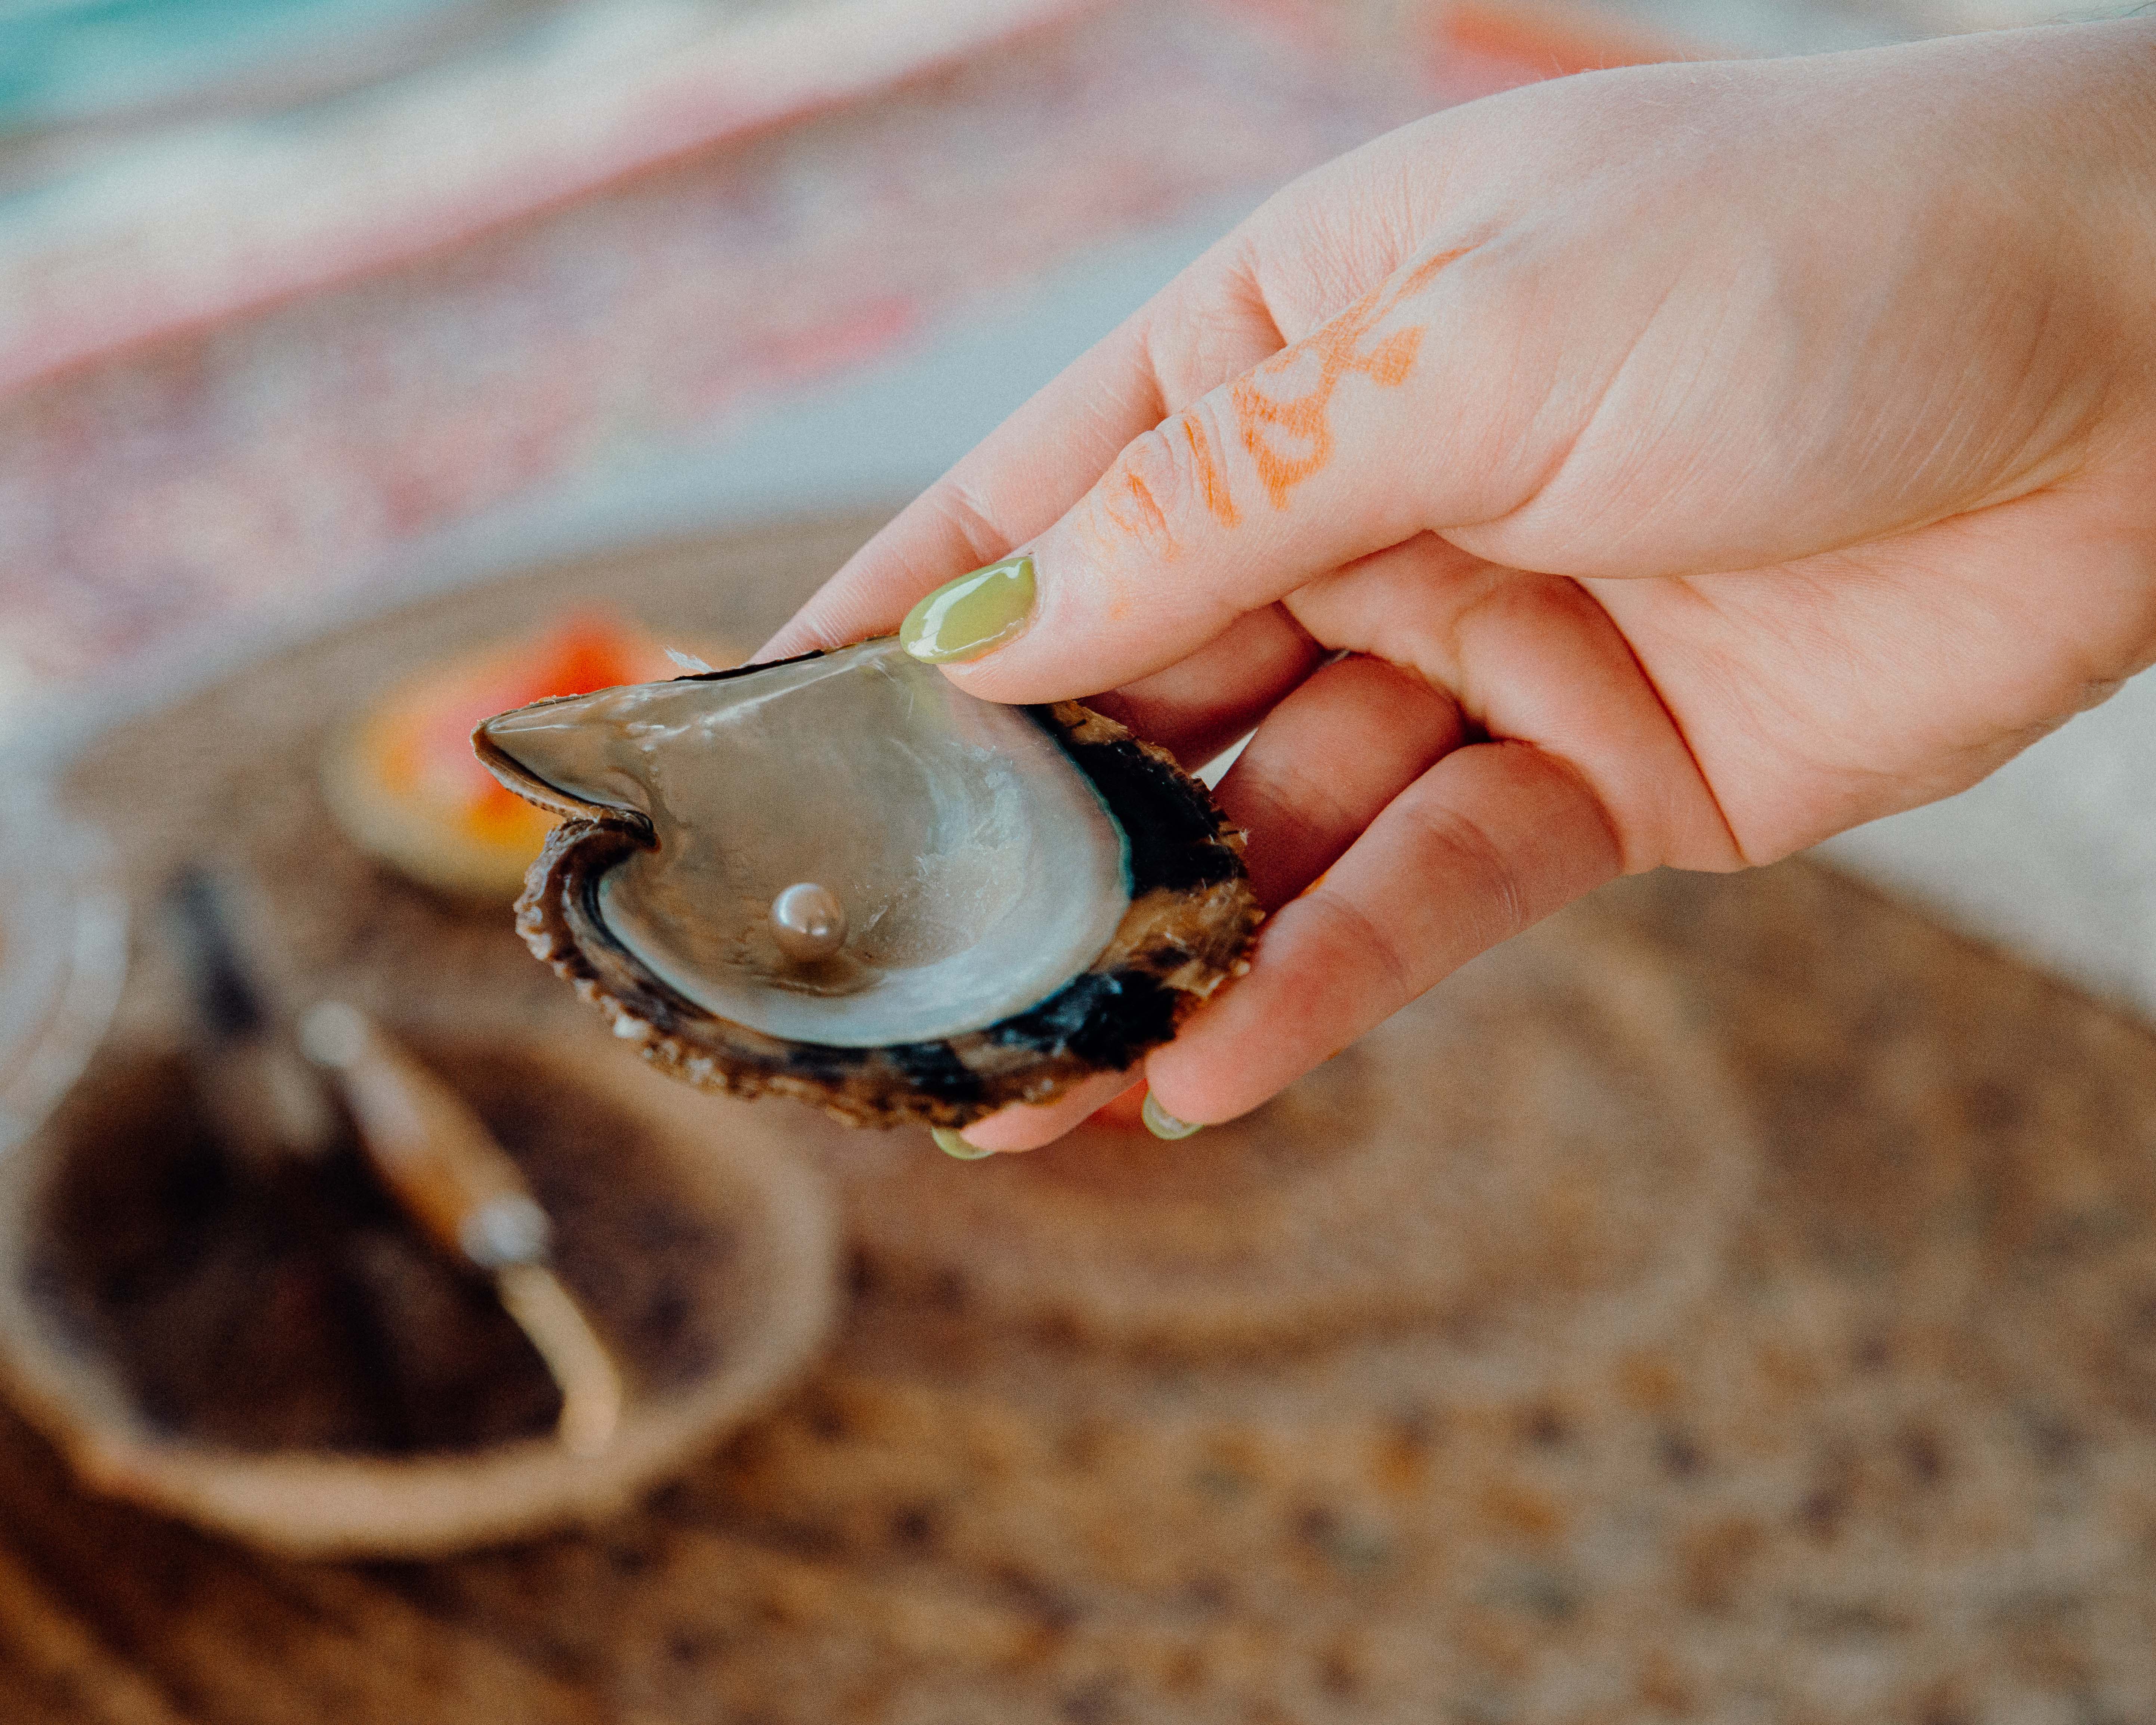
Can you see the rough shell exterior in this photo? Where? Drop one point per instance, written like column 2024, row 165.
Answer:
column 1190, row 922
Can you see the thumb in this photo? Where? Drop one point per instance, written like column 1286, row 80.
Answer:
column 1302, row 463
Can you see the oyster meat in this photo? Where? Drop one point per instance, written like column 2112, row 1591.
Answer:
column 842, row 878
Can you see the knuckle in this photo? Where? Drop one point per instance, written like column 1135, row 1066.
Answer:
column 1388, row 975
column 969, row 516
column 1493, row 878
column 1220, row 335
column 1144, row 501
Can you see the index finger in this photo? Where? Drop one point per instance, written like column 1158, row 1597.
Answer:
column 1210, row 324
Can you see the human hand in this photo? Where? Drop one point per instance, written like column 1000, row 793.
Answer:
column 1692, row 461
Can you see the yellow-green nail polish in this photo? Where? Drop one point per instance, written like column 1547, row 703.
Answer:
column 977, row 612
column 951, row 1144
column 1162, row 1124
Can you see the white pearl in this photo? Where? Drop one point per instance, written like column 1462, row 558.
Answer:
column 808, row 921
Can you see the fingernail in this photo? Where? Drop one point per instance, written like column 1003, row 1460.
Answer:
column 951, row 1144
column 1162, row 1124
column 966, row 617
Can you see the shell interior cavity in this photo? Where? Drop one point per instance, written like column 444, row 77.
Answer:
column 976, row 868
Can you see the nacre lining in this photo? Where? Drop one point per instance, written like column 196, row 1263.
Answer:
column 980, row 868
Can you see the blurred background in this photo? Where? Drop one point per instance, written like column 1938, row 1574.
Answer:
column 1763, row 1327
column 309, row 303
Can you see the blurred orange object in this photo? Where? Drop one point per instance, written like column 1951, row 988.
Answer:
column 1505, row 45
column 403, row 782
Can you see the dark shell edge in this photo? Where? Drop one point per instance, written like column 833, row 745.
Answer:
column 1189, row 927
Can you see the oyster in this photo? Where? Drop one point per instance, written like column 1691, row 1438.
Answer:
column 841, row 878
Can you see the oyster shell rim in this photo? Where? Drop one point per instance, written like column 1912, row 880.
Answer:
column 1188, row 928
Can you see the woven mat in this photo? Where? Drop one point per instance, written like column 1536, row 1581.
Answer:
column 1736, row 1300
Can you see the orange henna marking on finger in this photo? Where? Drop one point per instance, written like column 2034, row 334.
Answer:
column 1306, row 419
column 1127, row 500
column 1388, row 363
column 1123, row 501
column 1212, row 482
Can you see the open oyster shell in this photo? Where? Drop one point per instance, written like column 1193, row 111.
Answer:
column 1031, row 896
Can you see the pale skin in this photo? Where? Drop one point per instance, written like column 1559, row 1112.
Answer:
column 1691, row 462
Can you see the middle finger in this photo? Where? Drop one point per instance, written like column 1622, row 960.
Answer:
column 1325, row 763
column 1197, row 708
